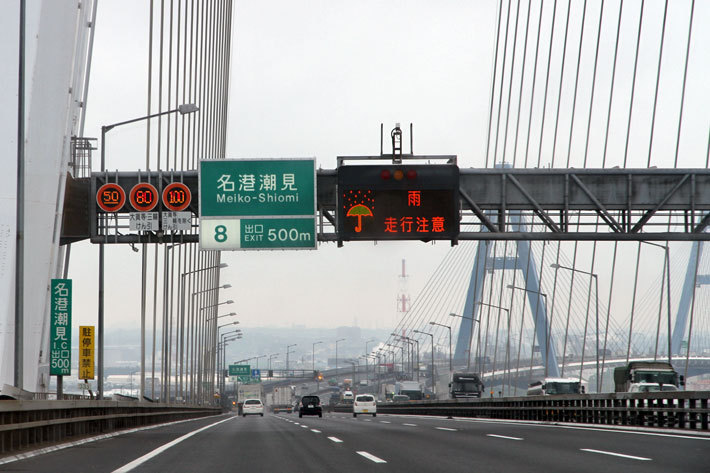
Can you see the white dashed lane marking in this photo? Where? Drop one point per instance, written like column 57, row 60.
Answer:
column 335, row 439
column 445, row 428
column 371, row 457
column 316, row 431
column 615, row 454
column 504, row 437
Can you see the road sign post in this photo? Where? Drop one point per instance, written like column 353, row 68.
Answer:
column 257, row 204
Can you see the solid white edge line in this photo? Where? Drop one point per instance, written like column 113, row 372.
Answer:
column 139, row 461
column 76, row 443
column 371, row 457
column 614, row 454
column 504, row 437
column 597, row 428
column 653, row 431
column 335, row 439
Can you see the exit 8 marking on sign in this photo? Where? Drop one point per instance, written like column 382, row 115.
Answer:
column 257, row 233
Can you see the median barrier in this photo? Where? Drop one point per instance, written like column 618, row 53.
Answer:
column 26, row 424
column 679, row 410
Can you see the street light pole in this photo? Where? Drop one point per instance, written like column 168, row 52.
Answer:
column 417, row 362
column 596, row 297
column 468, row 359
column 451, row 364
column 257, row 360
column 410, row 353
column 273, row 355
column 433, row 385
column 507, row 345
column 182, row 109
column 667, row 270
column 548, row 331
column 288, row 352
column 205, row 349
column 367, row 376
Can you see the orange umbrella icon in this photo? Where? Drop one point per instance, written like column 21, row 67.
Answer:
column 359, row 211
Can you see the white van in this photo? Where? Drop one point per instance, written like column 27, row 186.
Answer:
column 365, row 404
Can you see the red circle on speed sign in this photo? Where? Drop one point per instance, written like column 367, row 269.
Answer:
column 176, row 196
column 110, row 197
column 144, row 197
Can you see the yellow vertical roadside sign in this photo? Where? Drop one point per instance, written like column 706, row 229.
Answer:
column 86, row 352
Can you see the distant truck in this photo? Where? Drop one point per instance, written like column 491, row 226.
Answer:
column 347, row 384
column 658, row 373
column 281, row 399
column 250, row 391
column 465, row 385
column 409, row 388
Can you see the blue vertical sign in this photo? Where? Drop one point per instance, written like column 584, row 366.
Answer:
column 60, row 328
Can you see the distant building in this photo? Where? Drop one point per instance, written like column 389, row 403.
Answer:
column 350, row 333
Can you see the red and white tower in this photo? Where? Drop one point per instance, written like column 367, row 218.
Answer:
column 403, row 296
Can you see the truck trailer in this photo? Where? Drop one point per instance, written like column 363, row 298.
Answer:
column 409, row 388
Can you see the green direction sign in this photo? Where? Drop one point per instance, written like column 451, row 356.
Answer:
column 258, row 233
column 257, row 187
column 240, row 370
column 60, row 328
column 248, row 379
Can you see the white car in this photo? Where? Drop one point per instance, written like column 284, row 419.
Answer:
column 252, row 407
column 651, row 387
column 364, row 404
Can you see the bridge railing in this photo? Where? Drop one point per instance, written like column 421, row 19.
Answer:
column 27, row 424
column 680, row 410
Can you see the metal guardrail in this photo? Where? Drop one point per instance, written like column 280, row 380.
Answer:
column 25, row 424
column 681, row 410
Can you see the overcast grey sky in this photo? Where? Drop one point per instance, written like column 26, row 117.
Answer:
column 311, row 79
column 315, row 79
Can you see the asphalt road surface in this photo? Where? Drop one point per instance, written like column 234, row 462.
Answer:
column 387, row 443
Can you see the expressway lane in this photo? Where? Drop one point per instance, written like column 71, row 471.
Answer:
column 108, row 454
column 460, row 444
column 392, row 443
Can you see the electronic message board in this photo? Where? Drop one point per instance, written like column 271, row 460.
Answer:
column 398, row 202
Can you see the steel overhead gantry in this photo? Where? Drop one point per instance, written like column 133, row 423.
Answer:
column 630, row 204
column 558, row 204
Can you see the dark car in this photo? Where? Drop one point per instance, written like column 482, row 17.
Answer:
column 310, row 406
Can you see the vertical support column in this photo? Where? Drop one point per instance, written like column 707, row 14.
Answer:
column 473, row 295
column 686, row 297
